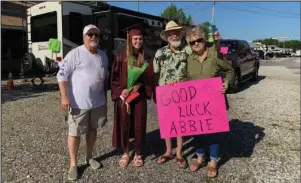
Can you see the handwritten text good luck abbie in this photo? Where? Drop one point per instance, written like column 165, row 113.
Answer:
column 192, row 108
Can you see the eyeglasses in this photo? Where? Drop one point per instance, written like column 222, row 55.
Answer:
column 200, row 40
column 93, row 34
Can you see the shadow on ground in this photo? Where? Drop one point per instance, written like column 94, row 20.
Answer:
column 239, row 142
column 26, row 90
column 245, row 85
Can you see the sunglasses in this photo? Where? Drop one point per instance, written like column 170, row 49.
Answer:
column 200, row 40
column 93, row 34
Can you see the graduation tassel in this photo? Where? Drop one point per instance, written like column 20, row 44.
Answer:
column 128, row 108
column 127, row 44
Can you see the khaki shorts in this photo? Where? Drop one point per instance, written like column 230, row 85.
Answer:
column 80, row 120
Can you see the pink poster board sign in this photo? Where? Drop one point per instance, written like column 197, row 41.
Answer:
column 224, row 50
column 192, row 108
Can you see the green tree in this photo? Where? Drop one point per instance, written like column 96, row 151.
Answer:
column 293, row 44
column 205, row 26
column 189, row 20
column 268, row 41
column 178, row 15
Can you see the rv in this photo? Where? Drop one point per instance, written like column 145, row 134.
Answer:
column 64, row 21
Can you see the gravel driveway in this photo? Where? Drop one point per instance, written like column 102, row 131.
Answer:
column 263, row 146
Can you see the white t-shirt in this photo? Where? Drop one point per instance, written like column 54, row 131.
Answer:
column 86, row 75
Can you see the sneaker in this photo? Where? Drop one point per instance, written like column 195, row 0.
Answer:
column 94, row 164
column 73, row 175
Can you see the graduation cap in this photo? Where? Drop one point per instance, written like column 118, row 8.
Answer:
column 134, row 30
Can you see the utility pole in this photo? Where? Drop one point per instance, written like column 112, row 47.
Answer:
column 212, row 18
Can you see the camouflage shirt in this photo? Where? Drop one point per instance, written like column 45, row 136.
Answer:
column 171, row 66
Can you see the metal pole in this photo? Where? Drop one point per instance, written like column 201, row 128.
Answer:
column 212, row 17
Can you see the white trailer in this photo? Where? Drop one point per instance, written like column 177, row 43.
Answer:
column 65, row 21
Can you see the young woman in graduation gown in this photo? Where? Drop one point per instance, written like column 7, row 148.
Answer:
column 132, row 74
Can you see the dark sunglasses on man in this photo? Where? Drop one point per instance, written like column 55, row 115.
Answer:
column 200, row 40
column 93, row 34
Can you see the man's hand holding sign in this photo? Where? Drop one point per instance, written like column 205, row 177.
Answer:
column 192, row 108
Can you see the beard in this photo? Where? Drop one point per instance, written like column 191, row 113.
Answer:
column 93, row 43
column 175, row 44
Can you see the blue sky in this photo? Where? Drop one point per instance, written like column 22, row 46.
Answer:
column 239, row 20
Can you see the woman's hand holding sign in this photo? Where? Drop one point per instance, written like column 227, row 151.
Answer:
column 224, row 87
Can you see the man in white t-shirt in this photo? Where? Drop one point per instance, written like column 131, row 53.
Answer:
column 83, row 80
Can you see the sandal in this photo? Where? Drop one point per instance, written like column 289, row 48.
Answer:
column 182, row 163
column 138, row 161
column 196, row 165
column 124, row 161
column 163, row 159
column 212, row 171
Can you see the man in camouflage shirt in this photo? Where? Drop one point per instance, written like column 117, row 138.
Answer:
column 170, row 64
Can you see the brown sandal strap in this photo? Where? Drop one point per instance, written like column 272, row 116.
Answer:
column 164, row 159
column 197, row 165
column 212, row 169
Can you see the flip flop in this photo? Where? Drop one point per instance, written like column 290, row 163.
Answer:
column 197, row 165
column 124, row 161
column 138, row 161
column 212, row 170
column 164, row 159
column 181, row 161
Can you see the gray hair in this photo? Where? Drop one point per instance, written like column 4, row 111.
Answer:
column 196, row 31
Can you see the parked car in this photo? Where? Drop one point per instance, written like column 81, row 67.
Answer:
column 297, row 54
column 256, row 53
column 244, row 62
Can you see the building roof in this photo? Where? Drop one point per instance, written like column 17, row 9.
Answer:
column 10, row 20
column 12, row 12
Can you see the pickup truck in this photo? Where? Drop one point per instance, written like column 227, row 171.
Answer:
column 245, row 63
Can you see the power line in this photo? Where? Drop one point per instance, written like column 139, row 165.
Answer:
column 256, row 12
column 269, row 9
column 187, row 8
column 199, row 10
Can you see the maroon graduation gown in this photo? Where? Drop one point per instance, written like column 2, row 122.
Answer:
column 136, row 127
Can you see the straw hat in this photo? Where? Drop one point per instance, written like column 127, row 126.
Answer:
column 171, row 25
